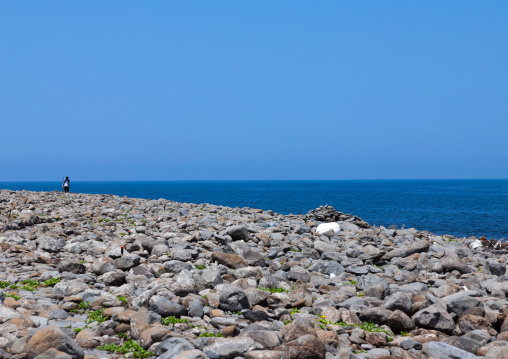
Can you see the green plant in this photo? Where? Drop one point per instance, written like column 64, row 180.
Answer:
column 205, row 296
column 4, row 284
column 367, row 326
column 379, row 267
column 29, row 284
column 123, row 335
column 295, row 310
column 77, row 330
column 275, row 290
column 121, row 299
column 12, row 295
column 82, row 307
column 14, row 286
column 174, row 320
column 295, row 250
column 122, row 234
column 96, row 316
column 51, row 282
column 353, row 282
column 359, row 294
column 130, row 347
column 405, row 334
column 201, row 267
column 286, row 321
column 216, row 335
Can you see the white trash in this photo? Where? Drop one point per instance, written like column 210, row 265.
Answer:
column 476, row 244
column 325, row 227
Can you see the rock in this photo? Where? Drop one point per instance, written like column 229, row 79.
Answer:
column 375, row 315
column 238, row 233
column 230, row 348
column 166, row 308
column 233, row 299
column 445, row 351
column 114, row 279
column 72, row 266
column 450, row 264
column 434, row 317
column 52, row 338
column 399, row 301
column 229, row 260
column 141, row 320
column 49, row 244
column 171, row 347
column 497, row 353
column 7, row 314
column 127, row 262
column 468, row 344
column 306, row 346
column 176, row 266
column 196, row 309
column 460, row 302
column 53, row 354
column 267, row 338
column 398, row 321
column 190, row 354
column 495, row 268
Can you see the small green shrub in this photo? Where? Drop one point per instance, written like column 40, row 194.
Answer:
column 29, row 284
column 130, row 347
column 295, row 310
column 96, row 316
column 275, row 290
column 4, row 284
column 216, row 335
column 201, row 267
column 174, row 320
column 51, row 282
column 12, row 295
column 77, row 330
column 121, row 299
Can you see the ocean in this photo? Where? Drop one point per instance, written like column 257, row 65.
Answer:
column 457, row 207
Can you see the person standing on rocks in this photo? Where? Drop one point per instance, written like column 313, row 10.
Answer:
column 66, row 184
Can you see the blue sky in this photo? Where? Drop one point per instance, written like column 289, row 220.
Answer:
column 234, row 90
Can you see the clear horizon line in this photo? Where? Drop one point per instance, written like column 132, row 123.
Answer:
column 273, row 180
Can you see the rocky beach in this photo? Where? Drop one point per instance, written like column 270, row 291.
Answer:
column 102, row 276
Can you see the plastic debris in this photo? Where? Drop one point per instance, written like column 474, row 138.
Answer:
column 476, row 244
column 325, row 227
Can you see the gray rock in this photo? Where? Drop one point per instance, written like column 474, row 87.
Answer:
column 495, row 268
column 233, row 299
column 238, row 233
column 442, row 350
column 468, row 344
column 176, row 266
column 212, row 277
column 68, row 288
column 458, row 303
column 166, row 308
column 127, row 261
column 230, row 348
column 399, row 301
column 196, row 309
column 50, row 244
column 171, row 347
column 434, row 317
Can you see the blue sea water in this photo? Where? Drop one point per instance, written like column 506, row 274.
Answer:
column 457, row 207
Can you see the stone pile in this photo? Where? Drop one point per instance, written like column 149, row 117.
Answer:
column 100, row 276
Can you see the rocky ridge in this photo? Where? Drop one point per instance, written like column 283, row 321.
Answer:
column 101, row 276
